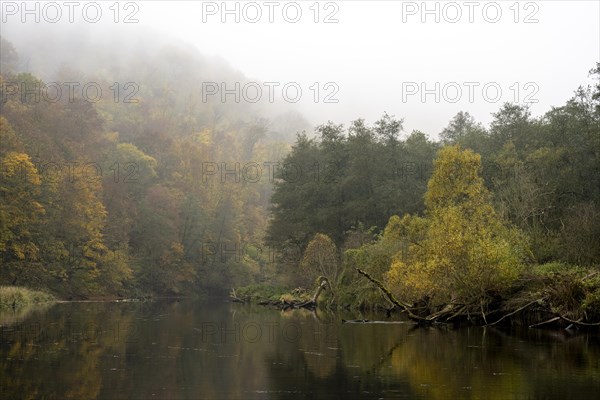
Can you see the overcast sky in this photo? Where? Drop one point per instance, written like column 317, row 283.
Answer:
column 381, row 55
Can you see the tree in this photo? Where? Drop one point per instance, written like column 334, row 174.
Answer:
column 388, row 128
column 20, row 208
column 361, row 176
column 513, row 122
column 320, row 259
column 9, row 56
column 376, row 257
column 460, row 129
column 19, row 212
column 467, row 252
column 596, row 95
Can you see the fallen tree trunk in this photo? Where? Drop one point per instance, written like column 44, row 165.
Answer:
column 234, row 297
column 405, row 307
column 578, row 323
column 517, row 310
column 545, row 322
column 312, row 303
column 443, row 315
column 368, row 321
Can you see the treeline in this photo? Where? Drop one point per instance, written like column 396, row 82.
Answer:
column 544, row 175
column 463, row 221
column 343, row 182
column 155, row 196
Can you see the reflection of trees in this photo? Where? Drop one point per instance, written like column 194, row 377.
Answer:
column 393, row 359
column 58, row 354
column 319, row 349
column 380, row 338
column 137, row 350
column 8, row 318
column 172, row 358
column 478, row 363
column 444, row 364
column 331, row 360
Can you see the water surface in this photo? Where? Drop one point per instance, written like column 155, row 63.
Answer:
column 200, row 350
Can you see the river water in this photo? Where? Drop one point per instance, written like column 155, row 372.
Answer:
column 219, row 350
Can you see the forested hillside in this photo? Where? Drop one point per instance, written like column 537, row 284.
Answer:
column 146, row 189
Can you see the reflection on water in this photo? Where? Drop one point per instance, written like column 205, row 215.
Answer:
column 187, row 350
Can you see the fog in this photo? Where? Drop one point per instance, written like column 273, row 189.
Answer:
column 344, row 60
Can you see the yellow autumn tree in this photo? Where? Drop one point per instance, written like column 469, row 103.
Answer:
column 20, row 209
column 467, row 252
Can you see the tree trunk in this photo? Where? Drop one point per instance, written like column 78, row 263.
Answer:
column 312, row 303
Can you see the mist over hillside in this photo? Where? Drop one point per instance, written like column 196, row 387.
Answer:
column 155, row 177
column 158, row 64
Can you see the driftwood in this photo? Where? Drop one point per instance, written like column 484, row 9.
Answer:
column 368, row 321
column 517, row 310
column 234, row 297
column 312, row 303
column 578, row 323
column 566, row 319
column 323, row 284
column 545, row 322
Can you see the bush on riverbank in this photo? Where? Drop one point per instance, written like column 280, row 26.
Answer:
column 557, row 289
column 14, row 297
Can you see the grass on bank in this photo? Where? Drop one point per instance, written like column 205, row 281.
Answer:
column 260, row 292
column 14, row 297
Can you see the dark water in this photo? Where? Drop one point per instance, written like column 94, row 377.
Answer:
column 187, row 350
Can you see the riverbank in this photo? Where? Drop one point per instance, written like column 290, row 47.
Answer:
column 15, row 297
column 549, row 295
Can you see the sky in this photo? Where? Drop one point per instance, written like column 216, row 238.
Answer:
column 421, row 61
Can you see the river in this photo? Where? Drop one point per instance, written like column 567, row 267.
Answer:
column 218, row 350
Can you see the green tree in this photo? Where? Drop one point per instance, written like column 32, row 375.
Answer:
column 9, row 56
column 461, row 129
column 359, row 176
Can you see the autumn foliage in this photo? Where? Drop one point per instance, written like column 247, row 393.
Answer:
column 467, row 251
